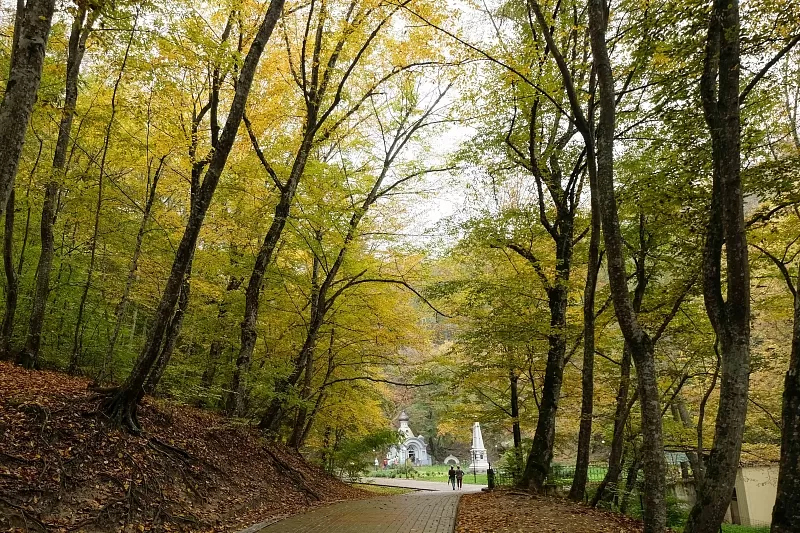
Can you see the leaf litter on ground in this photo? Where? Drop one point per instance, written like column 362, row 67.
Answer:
column 62, row 468
column 503, row 511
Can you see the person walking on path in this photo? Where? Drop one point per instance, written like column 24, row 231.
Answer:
column 459, row 476
column 451, row 476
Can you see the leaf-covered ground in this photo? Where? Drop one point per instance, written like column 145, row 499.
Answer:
column 62, row 469
column 517, row 512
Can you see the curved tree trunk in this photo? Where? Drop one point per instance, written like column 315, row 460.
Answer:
column 122, row 406
column 249, row 334
column 122, row 306
column 315, row 84
column 171, row 338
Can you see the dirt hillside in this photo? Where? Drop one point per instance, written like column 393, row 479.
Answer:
column 63, row 469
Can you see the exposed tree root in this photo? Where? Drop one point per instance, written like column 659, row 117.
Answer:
column 121, row 410
column 296, row 477
column 26, row 515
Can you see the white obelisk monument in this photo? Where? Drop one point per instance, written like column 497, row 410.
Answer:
column 480, row 462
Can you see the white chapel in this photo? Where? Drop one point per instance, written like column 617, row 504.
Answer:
column 412, row 449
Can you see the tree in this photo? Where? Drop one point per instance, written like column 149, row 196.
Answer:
column 327, row 107
column 396, row 136
column 730, row 318
column 81, row 28
column 639, row 342
column 121, row 405
column 786, row 513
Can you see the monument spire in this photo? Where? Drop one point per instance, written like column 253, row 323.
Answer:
column 480, row 461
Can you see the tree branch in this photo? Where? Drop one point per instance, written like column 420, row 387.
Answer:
column 260, row 154
column 765, row 69
column 781, row 266
column 377, row 380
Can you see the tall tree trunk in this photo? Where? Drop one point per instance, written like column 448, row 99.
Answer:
column 296, row 439
column 273, row 416
column 6, row 350
column 578, row 488
column 12, row 277
column 249, row 335
column 308, row 365
column 22, row 88
column 76, row 48
column 609, row 487
column 12, row 281
column 623, row 408
column 731, row 318
column 541, row 454
column 322, row 392
column 641, row 345
column 121, row 407
column 316, row 77
column 786, row 513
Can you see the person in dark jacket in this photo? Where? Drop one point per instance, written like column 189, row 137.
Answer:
column 459, row 476
column 451, row 476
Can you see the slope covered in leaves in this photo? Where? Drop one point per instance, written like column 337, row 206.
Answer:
column 61, row 470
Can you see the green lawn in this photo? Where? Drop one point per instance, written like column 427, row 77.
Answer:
column 731, row 528
column 559, row 474
column 429, row 473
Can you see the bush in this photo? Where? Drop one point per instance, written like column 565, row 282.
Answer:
column 356, row 457
column 677, row 512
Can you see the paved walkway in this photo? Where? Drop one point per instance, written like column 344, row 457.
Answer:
column 419, row 512
column 416, row 484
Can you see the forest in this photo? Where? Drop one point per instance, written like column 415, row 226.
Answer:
column 577, row 222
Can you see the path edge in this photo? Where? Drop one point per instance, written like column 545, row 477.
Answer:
column 458, row 512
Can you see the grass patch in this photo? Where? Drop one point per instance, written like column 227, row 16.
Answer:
column 733, row 528
column 429, row 473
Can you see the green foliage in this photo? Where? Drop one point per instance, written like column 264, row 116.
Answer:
column 356, row 455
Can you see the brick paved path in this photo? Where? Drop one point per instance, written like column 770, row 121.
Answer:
column 416, row 512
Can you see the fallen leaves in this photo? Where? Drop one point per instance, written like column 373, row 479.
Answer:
column 62, row 469
column 516, row 512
